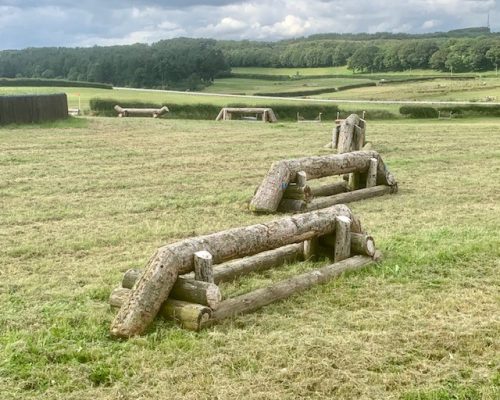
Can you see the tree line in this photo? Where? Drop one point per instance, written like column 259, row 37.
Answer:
column 184, row 63
column 177, row 63
column 466, row 54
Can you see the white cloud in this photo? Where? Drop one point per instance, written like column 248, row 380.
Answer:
column 69, row 23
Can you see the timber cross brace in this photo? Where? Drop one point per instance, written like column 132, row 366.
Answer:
column 180, row 280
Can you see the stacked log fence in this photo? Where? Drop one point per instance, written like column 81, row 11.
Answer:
column 181, row 280
column 362, row 173
column 27, row 109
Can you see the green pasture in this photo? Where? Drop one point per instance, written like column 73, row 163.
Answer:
column 344, row 71
column 177, row 98
column 252, row 86
column 84, row 200
column 487, row 89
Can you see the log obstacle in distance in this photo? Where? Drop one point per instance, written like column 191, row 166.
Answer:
column 164, row 267
column 283, row 174
column 141, row 112
column 265, row 114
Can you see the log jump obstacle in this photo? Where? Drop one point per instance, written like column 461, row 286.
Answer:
column 180, row 280
column 300, row 118
column 285, row 187
column 263, row 114
column 141, row 112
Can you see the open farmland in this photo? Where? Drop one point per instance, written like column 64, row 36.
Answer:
column 83, row 201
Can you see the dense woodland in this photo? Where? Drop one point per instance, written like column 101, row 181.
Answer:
column 193, row 63
column 180, row 63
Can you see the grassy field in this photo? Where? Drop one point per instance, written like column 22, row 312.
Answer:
column 82, row 201
column 176, row 98
column 251, row 86
column 443, row 90
column 347, row 72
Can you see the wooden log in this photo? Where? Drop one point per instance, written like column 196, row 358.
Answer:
column 354, row 181
column 335, row 136
column 259, row 262
column 346, row 133
column 270, row 192
column 371, row 179
column 301, row 179
column 332, row 164
column 361, row 243
column 290, row 205
column 229, row 270
column 359, row 138
column 185, row 289
column 154, row 112
column 203, row 270
column 249, row 110
column 169, row 261
column 342, row 248
column 261, row 297
column 328, row 201
column 295, row 192
column 330, row 189
column 190, row 316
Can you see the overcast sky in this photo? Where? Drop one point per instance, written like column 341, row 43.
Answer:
column 36, row 23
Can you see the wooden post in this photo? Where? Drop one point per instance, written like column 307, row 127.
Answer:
column 335, row 136
column 190, row 316
column 346, row 133
column 264, row 116
column 301, row 179
column 203, row 270
column 342, row 248
column 298, row 193
column 371, row 179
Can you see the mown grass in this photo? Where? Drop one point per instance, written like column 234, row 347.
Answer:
column 161, row 97
column 252, row 86
column 82, row 204
column 347, row 72
column 487, row 89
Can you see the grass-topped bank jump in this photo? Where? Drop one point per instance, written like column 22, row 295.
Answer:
column 83, row 204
